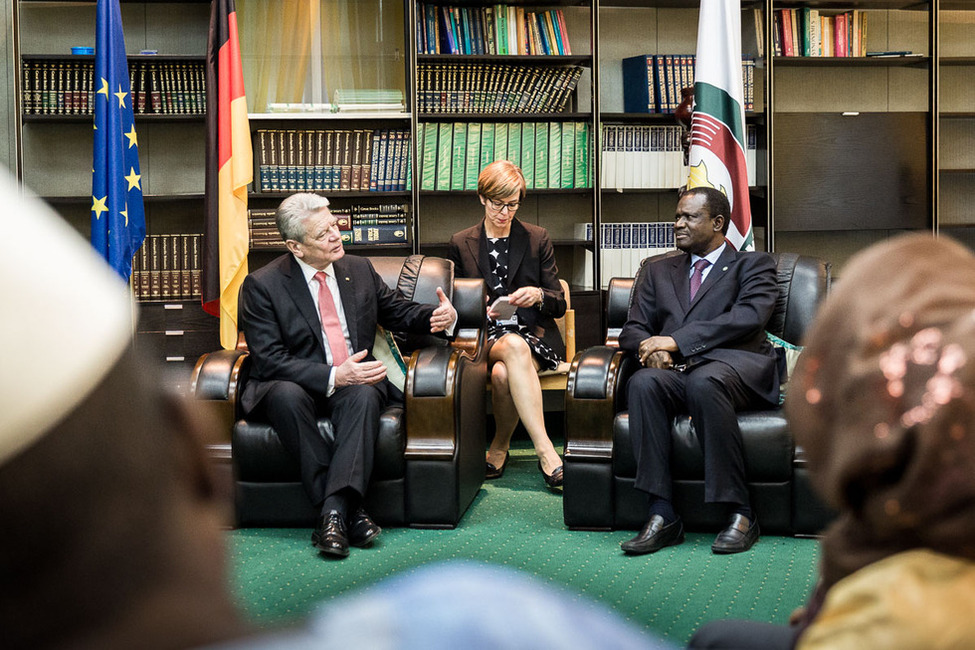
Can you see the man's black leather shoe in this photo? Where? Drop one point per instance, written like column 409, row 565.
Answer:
column 738, row 537
column 362, row 529
column 330, row 537
column 656, row 534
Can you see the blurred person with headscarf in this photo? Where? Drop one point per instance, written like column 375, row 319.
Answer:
column 883, row 402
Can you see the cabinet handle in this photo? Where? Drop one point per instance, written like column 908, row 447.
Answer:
column 174, row 332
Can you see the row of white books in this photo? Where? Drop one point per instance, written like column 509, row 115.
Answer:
column 651, row 157
column 623, row 247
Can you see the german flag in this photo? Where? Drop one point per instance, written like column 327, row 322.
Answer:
column 229, row 169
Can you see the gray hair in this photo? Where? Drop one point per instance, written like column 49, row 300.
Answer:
column 291, row 214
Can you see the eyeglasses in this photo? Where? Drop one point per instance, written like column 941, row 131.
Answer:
column 501, row 205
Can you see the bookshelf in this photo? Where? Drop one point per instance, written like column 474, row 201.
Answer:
column 303, row 64
column 53, row 147
column 546, row 127
column 853, row 137
column 956, row 124
column 919, row 107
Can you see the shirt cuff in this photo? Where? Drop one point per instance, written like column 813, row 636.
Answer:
column 330, row 386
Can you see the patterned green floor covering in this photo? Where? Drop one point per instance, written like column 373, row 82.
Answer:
column 516, row 522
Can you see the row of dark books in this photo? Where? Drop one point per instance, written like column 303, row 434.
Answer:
column 167, row 267
column 66, row 87
column 806, row 32
column 359, row 224
column 494, row 87
column 652, row 82
column 496, row 29
column 375, row 160
column 552, row 155
column 644, row 156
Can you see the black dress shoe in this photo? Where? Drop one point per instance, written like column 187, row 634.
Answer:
column 656, row 534
column 738, row 537
column 362, row 529
column 330, row 537
column 490, row 471
column 553, row 480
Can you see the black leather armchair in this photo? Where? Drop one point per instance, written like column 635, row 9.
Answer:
column 430, row 453
column 599, row 464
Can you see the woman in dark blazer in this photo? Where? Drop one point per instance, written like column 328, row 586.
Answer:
column 516, row 260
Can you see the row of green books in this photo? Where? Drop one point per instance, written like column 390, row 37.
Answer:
column 552, row 155
column 494, row 87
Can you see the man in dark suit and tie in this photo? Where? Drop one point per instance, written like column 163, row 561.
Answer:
column 310, row 319
column 697, row 324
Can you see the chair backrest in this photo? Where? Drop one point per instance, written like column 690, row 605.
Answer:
column 416, row 277
column 803, row 283
column 566, row 323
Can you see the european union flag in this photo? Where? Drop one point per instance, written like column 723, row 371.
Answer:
column 118, row 221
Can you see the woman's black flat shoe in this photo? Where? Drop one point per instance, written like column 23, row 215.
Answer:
column 490, row 471
column 553, row 480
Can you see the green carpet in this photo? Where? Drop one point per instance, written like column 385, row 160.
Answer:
column 278, row 576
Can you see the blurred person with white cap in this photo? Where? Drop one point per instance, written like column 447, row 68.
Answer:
column 112, row 526
column 111, row 521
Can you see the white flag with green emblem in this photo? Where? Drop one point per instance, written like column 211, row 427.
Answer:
column 717, row 151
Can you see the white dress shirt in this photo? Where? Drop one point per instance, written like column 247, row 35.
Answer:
column 711, row 257
column 333, row 285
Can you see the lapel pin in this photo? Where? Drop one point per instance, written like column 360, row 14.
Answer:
column 347, row 278
column 725, row 268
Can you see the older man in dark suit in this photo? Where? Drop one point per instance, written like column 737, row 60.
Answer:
column 697, row 324
column 310, row 319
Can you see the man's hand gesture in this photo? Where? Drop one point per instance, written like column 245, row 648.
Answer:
column 444, row 315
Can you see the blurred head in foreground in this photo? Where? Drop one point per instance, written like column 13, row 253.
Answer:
column 111, row 527
column 883, row 401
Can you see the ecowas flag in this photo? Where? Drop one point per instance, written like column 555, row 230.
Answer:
column 717, row 151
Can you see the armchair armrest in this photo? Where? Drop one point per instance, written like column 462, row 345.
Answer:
column 470, row 301
column 445, row 431
column 593, row 397
column 217, row 378
column 444, row 396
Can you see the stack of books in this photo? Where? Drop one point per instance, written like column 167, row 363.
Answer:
column 354, row 101
column 552, row 155
column 497, row 29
